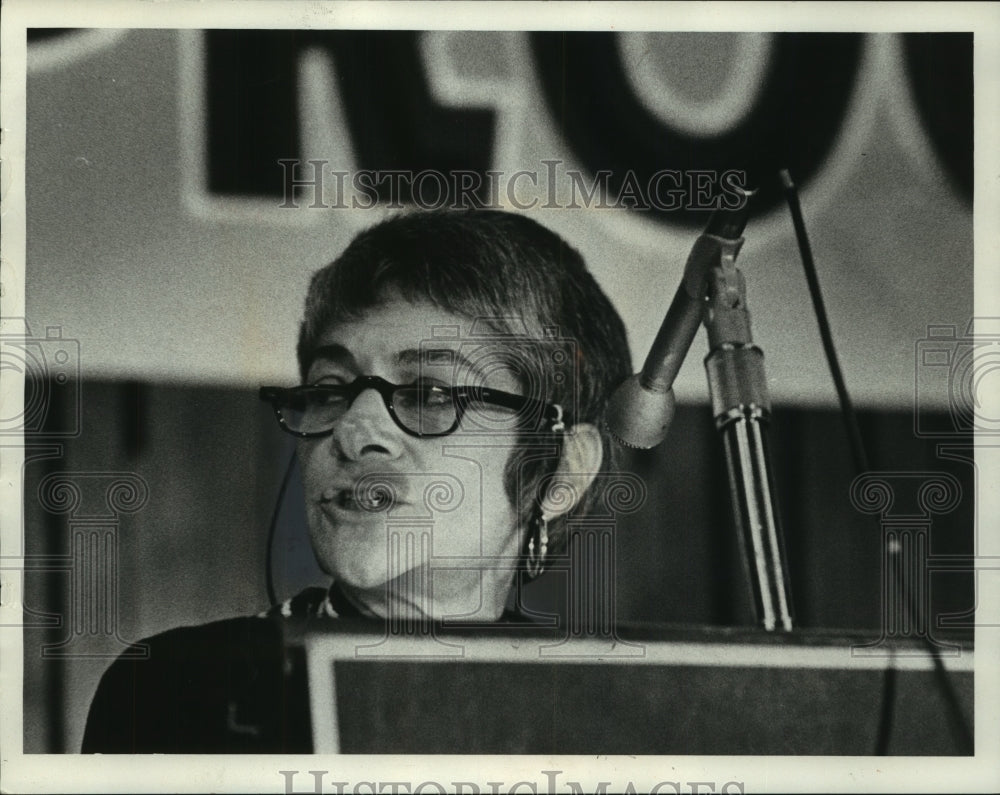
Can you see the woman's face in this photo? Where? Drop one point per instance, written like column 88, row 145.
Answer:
column 448, row 543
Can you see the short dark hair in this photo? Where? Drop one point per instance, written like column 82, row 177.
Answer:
column 485, row 264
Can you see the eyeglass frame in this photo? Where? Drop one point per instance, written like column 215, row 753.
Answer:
column 461, row 397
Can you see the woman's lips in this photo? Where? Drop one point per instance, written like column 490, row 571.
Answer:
column 369, row 497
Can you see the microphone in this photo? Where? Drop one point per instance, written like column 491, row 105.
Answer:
column 641, row 409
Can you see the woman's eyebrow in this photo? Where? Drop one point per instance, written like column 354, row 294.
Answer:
column 438, row 357
column 336, row 354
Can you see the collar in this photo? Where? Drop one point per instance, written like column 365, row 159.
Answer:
column 332, row 603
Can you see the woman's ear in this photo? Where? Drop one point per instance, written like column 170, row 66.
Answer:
column 582, row 454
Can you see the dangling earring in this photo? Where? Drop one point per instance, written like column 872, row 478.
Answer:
column 538, row 545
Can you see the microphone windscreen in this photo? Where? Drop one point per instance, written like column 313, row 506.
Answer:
column 638, row 416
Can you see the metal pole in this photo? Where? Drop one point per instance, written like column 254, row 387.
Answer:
column 742, row 408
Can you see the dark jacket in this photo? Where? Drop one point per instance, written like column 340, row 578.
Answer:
column 226, row 687
column 231, row 686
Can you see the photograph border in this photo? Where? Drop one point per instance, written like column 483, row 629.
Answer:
column 192, row 773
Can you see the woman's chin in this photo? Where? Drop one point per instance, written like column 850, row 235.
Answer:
column 359, row 566
column 359, row 576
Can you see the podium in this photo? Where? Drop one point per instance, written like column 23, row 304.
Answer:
column 651, row 690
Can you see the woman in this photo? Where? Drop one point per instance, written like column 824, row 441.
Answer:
column 454, row 369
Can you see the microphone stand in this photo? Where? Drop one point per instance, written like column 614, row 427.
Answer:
column 742, row 409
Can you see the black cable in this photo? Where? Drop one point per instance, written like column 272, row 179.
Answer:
column 960, row 726
column 884, row 731
column 805, row 251
column 272, row 532
column 966, row 741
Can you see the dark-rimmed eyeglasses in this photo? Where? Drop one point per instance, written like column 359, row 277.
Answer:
column 419, row 409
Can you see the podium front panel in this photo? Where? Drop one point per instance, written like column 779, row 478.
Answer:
column 708, row 693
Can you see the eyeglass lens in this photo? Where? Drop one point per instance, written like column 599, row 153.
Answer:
column 421, row 409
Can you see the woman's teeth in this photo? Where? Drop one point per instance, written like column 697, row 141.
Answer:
column 369, row 500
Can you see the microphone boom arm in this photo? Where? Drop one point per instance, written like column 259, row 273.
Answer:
column 641, row 409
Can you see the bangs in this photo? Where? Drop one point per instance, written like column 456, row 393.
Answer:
column 449, row 261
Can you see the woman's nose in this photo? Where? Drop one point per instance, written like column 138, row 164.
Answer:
column 366, row 429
